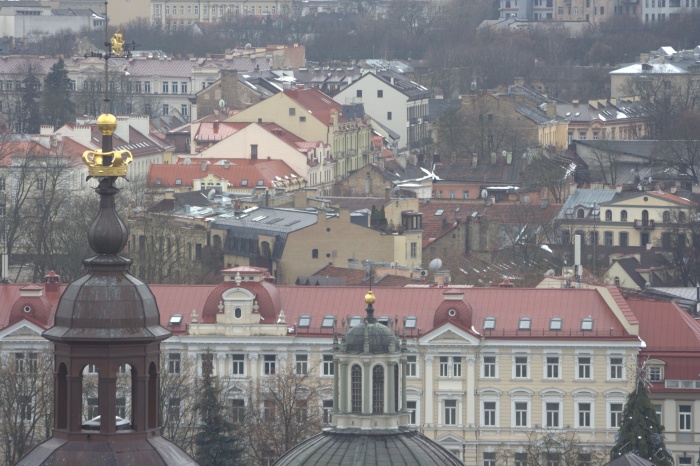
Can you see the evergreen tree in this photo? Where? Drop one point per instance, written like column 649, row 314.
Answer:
column 215, row 443
column 58, row 108
column 30, row 115
column 640, row 432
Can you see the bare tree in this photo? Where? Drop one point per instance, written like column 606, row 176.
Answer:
column 546, row 448
column 283, row 410
column 26, row 411
column 178, row 388
column 550, row 173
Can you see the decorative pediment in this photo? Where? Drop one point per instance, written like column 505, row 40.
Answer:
column 22, row 330
column 449, row 334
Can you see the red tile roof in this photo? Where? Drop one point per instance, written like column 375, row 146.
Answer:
column 217, row 130
column 673, row 198
column 239, row 169
column 436, row 226
column 317, row 103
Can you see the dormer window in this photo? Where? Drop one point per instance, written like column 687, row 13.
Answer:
column 175, row 319
column 304, row 321
column 489, row 323
column 587, row 324
column 555, row 323
column 384, row 320
column 244, row 182
column 355, row 321
column 525, row 323
column 159, row 181
column 328, row 322
column 410, row 322
column 178, row 181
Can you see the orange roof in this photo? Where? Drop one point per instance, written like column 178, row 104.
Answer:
column 217, row 130
column 317, row 103
column 673, row 198
column 239, row 172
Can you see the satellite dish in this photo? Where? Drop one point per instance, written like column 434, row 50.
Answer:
column 484, row 194
column 222, row 103
column 248, row 46
column 435, row 265
column 211, row 194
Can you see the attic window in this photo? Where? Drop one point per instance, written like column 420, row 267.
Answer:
column 489, row 323
column 411, row 322
column 175, row 319
column 555, row 323
column 384, row 320
column 304, row 321
column 355, row 321
column 27, row 309
column 261, row 182
column 159, row 181
column 587, row 324
column 439, row 212
column 328, row 321
column 178, row 181
column 244, row 182
column 525, row 323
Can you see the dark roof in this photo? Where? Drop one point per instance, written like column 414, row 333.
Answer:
column 629, row 459
column 651, row 262
column 485, row 172
column 406, row 447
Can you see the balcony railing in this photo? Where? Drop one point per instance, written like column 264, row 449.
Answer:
column 644, row 224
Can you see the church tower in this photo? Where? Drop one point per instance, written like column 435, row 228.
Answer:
column 107, row 321
column 370, row 419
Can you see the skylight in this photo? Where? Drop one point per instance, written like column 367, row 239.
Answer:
column 489, row 323
column 410, row 322
column 587, row 324
column 355, row 321
column 384, row 320
column 439, row 212
column 525, row 323
column 328, row 321
column 175, row 319
column 304, row 321
column 555, row 323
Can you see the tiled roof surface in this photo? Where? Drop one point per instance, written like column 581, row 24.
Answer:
column 355, row 277
column 485, row 172
column 317, row 103
column 239, row 169
column 453, row 211
column 216, row 131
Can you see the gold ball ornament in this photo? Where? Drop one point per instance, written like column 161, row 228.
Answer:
column 107, row 123
column 369, row 297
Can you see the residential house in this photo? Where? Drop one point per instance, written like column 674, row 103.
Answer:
column 292, row 243
column 395, row 101
column 183, row 14
column 24, row 20
column 641, row 271
column 390, row 178
column 313, row 116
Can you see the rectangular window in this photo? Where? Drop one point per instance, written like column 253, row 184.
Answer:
column 292, row 111
column 380, row 93
column 165, row 87
column 655, row 373
column 174, row 363
column 269, row 364
column 521, row 409
column 238, row 367
column 616, row 368
column 254, row 151
column 414, row 250
column 489, row 458
column 328, row 364
column 166, row 109
column 584, row 415
column 521, row 363
column 450, row 412
column 237, row 410
column 624, row 238
column 412, row 366
column 552, row 414
column 552, row 367
column 658, row 411
column 147, row 87
column 444, row 365
column 26, row 410
column 553, row 459
column 684, row 417
column 490, row 413
column 584, row 367
column 173, row 409
column 465, row 194
column 269, row 410
column 412, row 408
column 457, row 367
column 489, row 368
column 388, row 115
column 327, row 411
column 183, row 109
column 615, row 414
column 183, row 84
column 358, row 93
column 174, row 83
column 521, row 459
column 302, row 364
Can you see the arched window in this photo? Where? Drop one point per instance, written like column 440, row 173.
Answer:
column 617, row 281
column 580, row 213
column 667, row 216
column 645, row 217
column 378, row 389
column 356, row 388
column 265, row 249
column 608, row 215
column 623, row 216
column 314, row 253
column 681, row 216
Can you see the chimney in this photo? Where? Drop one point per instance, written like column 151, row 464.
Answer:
column 552, row 109
column 475, row 160
column 216, row 126
column 204, row 165
column 51, row 282
column 227, row 163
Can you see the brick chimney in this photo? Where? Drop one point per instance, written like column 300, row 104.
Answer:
column 51, row 282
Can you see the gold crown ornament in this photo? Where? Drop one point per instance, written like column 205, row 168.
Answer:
column 112, row 163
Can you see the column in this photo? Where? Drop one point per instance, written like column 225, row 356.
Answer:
column 336, row 401
column 404, row 402
column 221, row 364
column 366, row 387
column 390, row 384
column 107, row 393
column 75, row 403
column 428, row 398
column 343, row 407
column 253, row 369
column 471, row 408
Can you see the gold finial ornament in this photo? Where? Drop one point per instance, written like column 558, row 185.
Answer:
column 107, row 124
column 369, row 297
column 107, row 163
column 117, row 41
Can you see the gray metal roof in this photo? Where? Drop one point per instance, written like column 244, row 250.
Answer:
column 369, row 448
column 585, row 198
column 264, row 219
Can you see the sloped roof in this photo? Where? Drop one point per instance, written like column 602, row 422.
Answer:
column 217, row 130
column 317, row 103
column 629, row 459
column 485, row 172
column 585, row 198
